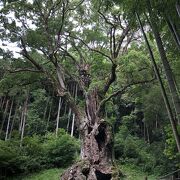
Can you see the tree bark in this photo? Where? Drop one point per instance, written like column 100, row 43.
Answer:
column 96, row 148
column 9, row 119
column 163, row 91
column 60, row 75
column 167, row 68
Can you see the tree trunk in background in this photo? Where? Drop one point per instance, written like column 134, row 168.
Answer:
column 4, row 116
column 65, row 109
column 178, row 8
column 45, row 111
column 144, row 131
column 69, row 118
column 2, row 98
column 173, row 31
column 21, row 119
column 12, row 124
column 2, row 104
column 163, row 91
column 24, row 119
column 167, row 68
column 73, row 119
column 69, row 112
column 156, row 121
column 72, row 126
column 9, row 119
column 58, row 115
column 49, row 115
column 96, row 148
column 148, row 137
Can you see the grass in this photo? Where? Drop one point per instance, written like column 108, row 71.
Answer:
column 50, row 174
column 131, row 172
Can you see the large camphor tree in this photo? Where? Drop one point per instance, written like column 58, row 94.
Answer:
column 79, row 42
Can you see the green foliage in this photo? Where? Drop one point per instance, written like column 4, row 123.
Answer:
column 37, row 153
column 133, row 150
column 35, row 118
column 60, row 150
column 45, row 175
column 8, row 157
column 36, row 39
column 171, row 148
column 132, row 172
column 47, row 28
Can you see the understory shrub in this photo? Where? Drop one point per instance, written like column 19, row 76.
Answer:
column 133, row 150
column 37, row 153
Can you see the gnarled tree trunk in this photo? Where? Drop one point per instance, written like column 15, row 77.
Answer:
column 96, row 148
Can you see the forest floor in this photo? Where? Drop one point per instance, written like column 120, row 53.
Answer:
column 129, row 172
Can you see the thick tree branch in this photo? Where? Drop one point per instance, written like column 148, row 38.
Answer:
column 123, row 89
column 129, row 40
column 70, row 55
column 62, row 23
column 111, row 50
column 120, row 22
column 111, row 79
column 91, row 49
column 123, row 35
column 26, row 54
column 82, row 58
column 113, row 55
column 106, row 19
